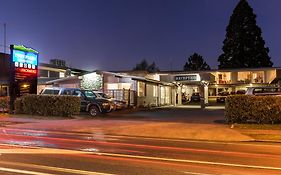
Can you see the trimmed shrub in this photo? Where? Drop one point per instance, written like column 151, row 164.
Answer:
column 47, row 105
column 4, row 103
column 18, row 106
column 259, row 109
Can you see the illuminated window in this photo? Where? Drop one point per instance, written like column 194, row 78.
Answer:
column 62, row 75
column 155, row 91
column 112, row 86
column 141, row 89
column 251, row 77
column 223, row 78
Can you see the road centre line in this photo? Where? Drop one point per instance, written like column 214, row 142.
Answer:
column 148, row 138
column 23, row 171
column 194, row 173
column 64, row 170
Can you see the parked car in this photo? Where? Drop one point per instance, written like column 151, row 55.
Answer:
column 89, row 101
column 195, row 97
column 240, row 91
column 222, row 97
column 117, row 104
column 267, row 90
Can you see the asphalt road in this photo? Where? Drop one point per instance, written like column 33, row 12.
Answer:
column 56, row 152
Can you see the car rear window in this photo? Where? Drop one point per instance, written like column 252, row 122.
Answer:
column 90, row 94
column 51, row 92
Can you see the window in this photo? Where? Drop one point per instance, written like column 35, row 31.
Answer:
column 62, row 74
column 251, row 77
column 223, row 78
column 54, row 74
column 67, row 92
column 155, row 91
column 141, row 89
column 43, row 73
column 51, row 92
column 3, row 90
column 90, row 94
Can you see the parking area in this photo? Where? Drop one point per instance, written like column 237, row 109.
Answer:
column 184, row 113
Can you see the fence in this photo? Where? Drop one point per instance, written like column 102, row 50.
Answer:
column 129, row 96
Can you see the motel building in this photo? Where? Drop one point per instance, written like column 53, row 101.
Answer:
column 143, row 89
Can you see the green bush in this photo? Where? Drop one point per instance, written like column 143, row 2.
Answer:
column 259, row 109
column 47, row 105
column 4, row 103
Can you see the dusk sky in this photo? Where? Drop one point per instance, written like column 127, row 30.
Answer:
column 117, row 34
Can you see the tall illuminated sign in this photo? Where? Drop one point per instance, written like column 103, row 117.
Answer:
column 24, row 70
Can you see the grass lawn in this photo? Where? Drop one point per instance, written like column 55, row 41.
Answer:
column 260, row 132
column 258, row 126
column 266, row 137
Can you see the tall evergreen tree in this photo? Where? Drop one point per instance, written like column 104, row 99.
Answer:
column 244, row 46
column 196, row 62
column 143, row 65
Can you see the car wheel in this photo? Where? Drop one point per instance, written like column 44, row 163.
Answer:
column 94, row 111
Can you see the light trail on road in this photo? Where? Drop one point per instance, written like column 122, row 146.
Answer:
column 157, row 153
column 149, row 146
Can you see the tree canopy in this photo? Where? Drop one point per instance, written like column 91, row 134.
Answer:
column 195, row 62
column 244, row 46
column 144, row 66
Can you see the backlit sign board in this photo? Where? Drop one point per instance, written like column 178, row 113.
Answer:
column 24, row 70
column 25, row 57
column 191, row 77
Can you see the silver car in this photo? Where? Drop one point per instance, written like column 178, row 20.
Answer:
column 266, row 90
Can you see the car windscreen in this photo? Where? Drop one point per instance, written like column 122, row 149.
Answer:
column 51, row 92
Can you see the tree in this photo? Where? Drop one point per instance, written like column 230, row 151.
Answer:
column 196, row 62
column 244, row 46
column 144, row 66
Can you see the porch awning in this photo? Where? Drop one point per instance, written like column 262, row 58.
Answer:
column 275, row 81
column 62, row 80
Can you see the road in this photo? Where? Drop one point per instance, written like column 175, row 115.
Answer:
column 27, row 151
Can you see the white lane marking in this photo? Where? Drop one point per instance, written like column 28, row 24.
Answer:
column 194, row 173
column 189, row 161
column 23, row 171
column 64, row 170
column 38, row 150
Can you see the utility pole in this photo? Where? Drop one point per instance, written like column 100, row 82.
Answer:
column 5, row 38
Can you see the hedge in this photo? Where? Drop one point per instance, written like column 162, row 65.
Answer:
column 47, row 105
column 4, row 104
column 248, row 108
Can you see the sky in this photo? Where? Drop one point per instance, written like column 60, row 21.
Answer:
column 117, row 34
